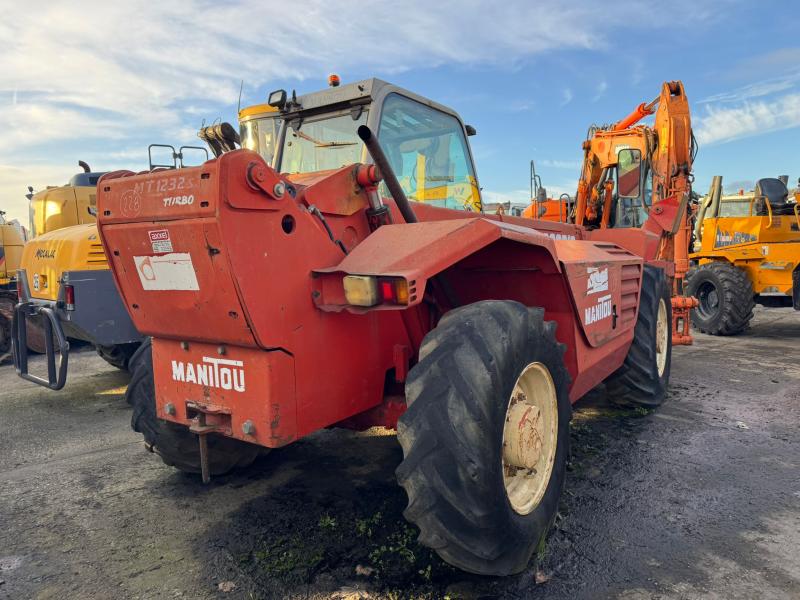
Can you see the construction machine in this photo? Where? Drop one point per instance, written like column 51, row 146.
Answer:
column 544, row 207
column 628, row 168
column 746, row 251
column 65, row 290
column 314, row 294
column 12, row 239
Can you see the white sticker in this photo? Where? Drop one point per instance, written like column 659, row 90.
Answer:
column 160, row 241
column 167, row 272
column 598, row 280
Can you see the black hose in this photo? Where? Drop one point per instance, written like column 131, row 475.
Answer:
column 380, row 160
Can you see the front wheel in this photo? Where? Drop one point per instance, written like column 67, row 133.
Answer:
column 486, row 436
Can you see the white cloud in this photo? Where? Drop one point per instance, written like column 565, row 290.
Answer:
column 561, row 164
column 600, row 90
column 753, row 118
column 138, row 70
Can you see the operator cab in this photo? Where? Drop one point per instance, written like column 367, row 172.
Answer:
column 633, row 189
column 425, row 142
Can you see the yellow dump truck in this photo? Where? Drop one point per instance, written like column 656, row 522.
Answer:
column 746, row 251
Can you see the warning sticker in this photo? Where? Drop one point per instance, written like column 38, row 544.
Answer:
column 167, row 272
column 160, row 241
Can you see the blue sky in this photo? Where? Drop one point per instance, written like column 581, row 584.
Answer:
column 98, row 81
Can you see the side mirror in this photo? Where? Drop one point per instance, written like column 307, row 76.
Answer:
column 470, row 130
column 629, row 173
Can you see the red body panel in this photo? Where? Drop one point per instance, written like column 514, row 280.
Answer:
column 252, row 275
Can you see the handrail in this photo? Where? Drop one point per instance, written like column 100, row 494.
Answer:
column 769, row 208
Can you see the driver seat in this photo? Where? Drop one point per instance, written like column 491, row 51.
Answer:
column 776, row 192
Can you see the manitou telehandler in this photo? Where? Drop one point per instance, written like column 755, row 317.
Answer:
column 301, row 297
column 747, row 251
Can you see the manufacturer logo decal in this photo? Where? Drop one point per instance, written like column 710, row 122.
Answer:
column 42, row 253
column 725, row 238
column 218, row 373
column 598, row 280
column 130, row 205
column 598, row 312
column 160, row 241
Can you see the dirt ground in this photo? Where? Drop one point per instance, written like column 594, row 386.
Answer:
column 700, row 498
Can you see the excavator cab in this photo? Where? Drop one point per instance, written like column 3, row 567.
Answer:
column 634, row 190
column 425, row 142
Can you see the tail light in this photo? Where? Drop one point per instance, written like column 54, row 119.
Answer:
column 69, row 297
column 364, row 290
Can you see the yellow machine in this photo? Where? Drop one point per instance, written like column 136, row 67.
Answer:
column 12, row 239
column 56, row 207
column 746, row 251
column 65, row 288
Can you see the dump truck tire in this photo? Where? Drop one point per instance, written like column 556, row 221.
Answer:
column 462, row 491
column 725, row 296
column 118, row 355
column 643, row 378
column 175, row 444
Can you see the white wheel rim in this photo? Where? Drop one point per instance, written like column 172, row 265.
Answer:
column 662, row 337
column 530, row 436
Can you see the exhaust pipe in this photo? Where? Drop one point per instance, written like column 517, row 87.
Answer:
column 380, row 160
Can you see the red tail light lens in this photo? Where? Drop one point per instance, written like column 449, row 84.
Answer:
column 69, row 297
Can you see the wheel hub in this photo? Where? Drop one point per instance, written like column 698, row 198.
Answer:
column 530, row 438
column 662, row 337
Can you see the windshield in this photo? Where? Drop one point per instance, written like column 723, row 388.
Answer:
column 325, row 143
column 735, row 207
column 259, row 135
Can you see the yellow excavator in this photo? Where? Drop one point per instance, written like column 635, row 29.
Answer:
column 64, row 287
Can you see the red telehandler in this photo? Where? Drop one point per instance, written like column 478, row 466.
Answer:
column 284, row 300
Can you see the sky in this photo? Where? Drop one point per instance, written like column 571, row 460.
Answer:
column 99, row 81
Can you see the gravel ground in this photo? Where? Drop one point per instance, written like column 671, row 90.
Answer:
column 700, row 498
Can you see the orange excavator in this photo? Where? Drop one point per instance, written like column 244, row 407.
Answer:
column 628, row 168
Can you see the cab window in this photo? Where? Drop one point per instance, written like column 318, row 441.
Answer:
column 259, row 135
column 322, row 143
column 428, row 152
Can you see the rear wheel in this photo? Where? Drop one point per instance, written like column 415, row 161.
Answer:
column 174, row 443
column 486, row 436
column 118, row 355
column 643, row 378
column 725, row 296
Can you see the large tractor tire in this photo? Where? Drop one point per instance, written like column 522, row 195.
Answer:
column 486, row 436
column 175, row 444
column 643, row 378
column 119, row 355
column 725, row 296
